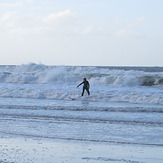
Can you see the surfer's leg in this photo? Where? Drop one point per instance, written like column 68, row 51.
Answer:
column 83, row 91
column 88, row 91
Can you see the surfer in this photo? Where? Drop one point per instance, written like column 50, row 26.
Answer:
column 86, row 86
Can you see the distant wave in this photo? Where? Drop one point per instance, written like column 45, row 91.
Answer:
column 38, row 73
column 150, row 81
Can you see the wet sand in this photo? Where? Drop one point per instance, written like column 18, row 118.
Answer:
column 42, row 150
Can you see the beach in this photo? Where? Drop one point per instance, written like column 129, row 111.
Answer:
column 44, row 118
column 24, row 149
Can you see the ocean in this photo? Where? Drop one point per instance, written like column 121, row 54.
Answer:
column 43, row 102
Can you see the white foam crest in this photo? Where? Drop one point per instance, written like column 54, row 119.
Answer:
column 33, row 73
column 120, row 80
column 60, row 92
column 58, row 74
column 31, row 67
column 137, row 98
column 38, row 73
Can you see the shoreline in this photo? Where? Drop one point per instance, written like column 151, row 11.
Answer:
column 17, row 149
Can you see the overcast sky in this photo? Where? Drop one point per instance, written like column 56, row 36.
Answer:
column 82, row 32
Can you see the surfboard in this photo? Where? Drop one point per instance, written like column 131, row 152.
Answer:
column 72, row 99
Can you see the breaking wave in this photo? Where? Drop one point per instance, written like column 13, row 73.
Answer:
column 116, row 84
column 38, row 73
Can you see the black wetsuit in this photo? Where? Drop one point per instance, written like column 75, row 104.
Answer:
column 85, row 87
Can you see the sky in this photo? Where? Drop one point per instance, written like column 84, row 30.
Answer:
column 81, row 32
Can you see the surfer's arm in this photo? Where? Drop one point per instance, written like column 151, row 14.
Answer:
column 80, row 84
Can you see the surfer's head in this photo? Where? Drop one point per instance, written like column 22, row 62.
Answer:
column 84, row 79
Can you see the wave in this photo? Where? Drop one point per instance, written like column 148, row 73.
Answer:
column 98, row 94
column 150, row 81
column 108, row 84
column 38, row 73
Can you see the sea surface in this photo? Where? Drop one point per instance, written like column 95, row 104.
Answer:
column 125, row 105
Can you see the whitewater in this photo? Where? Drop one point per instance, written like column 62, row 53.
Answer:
column 44, row 118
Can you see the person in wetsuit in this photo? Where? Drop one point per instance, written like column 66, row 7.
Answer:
column 85, row 86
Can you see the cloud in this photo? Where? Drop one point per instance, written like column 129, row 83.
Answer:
column 121, row 32
column 141, row 21
column 84, row 30
column 67, row 22
column 8, row 20
column 30, row 25
column 59, row 17
column 132, row 28
column 17, row 4
column 64, row 22
column 129, row 33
